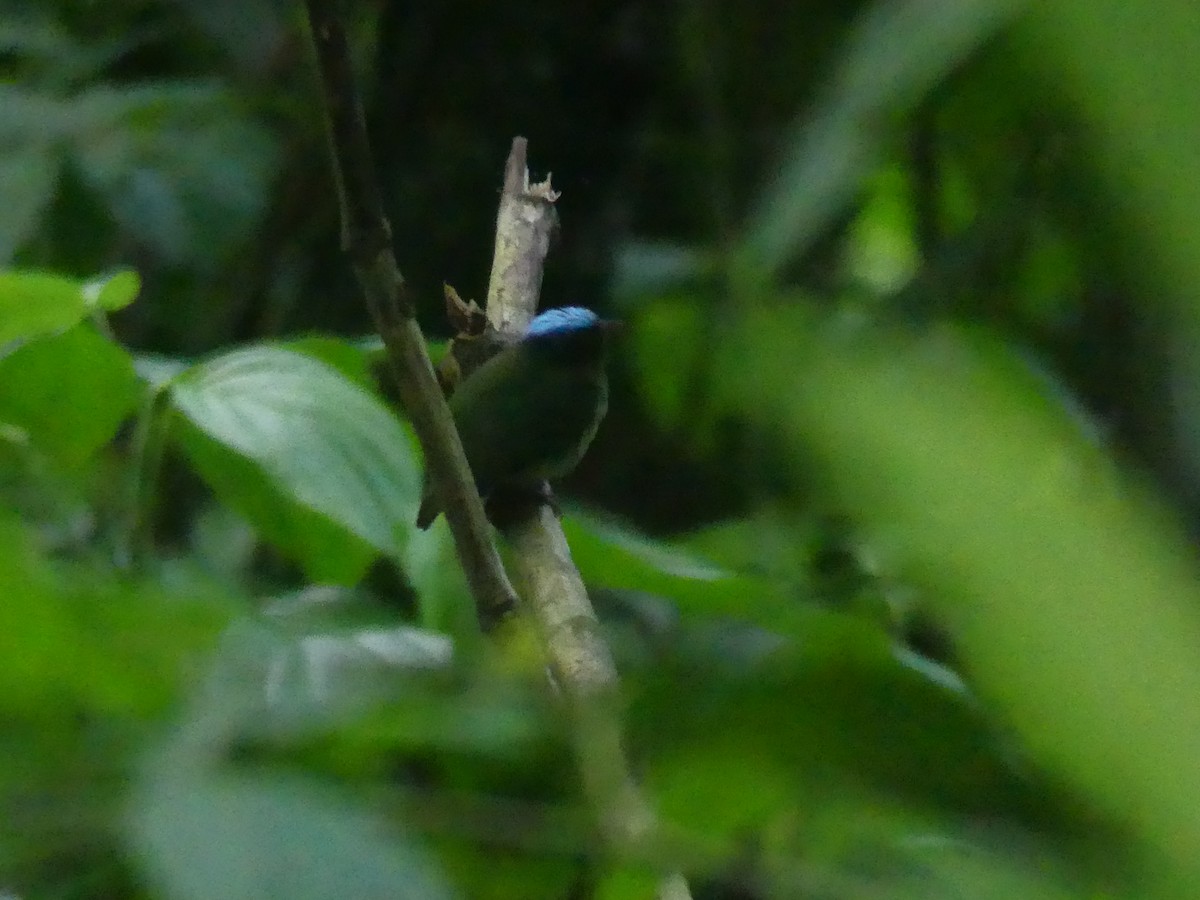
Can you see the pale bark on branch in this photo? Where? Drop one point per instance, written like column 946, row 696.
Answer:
column 580, row 660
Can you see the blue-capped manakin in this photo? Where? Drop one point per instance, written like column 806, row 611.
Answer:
column 528, row 414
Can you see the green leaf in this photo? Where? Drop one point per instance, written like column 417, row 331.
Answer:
column 896, row 52
column 628, row 883
column 68, row 393
column 733, row 741
column 1130, row 75
column 157, row 370
column 269, row 837
column 609, row 556
column 324, row 549
column 732, row 621
column 112, row 292
column 37, row 303
column 348, row 357
column 639, row 551
column 59, row 624
column 881, row 250
column 433, row 570
column 320, row 439
column 381, row 688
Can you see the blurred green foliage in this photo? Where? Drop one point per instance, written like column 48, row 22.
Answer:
column 899, row 483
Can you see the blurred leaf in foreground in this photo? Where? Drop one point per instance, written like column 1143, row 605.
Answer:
column 898, row 50
column 1072, row 595
column 269, row 837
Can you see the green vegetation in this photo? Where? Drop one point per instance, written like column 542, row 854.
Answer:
column 891, row 525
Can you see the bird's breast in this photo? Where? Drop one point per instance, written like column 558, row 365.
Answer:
column 593, row 400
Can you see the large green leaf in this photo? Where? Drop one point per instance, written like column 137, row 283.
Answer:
column 327, row 551
column 67, row 393
column 347, row 356
column 1131, row 77
column 609, row 556
column 835, row 707
column 320, row 439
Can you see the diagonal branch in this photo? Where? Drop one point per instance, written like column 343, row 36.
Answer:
column 367, row 240
column 579, row 658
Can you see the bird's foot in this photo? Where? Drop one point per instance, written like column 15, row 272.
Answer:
column 510, row 505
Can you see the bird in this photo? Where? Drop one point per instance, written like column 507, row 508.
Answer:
column 528, row 414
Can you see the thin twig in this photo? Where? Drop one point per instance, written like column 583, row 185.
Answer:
column 579, row 658
column 366, row 238
column 146, row 451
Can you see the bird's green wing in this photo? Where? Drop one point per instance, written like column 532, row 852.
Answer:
column 521, row 421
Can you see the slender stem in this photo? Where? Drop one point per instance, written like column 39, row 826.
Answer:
column 145, row 453
column 367, row 240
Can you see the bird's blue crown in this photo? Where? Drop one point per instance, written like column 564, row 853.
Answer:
column 563, row 320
